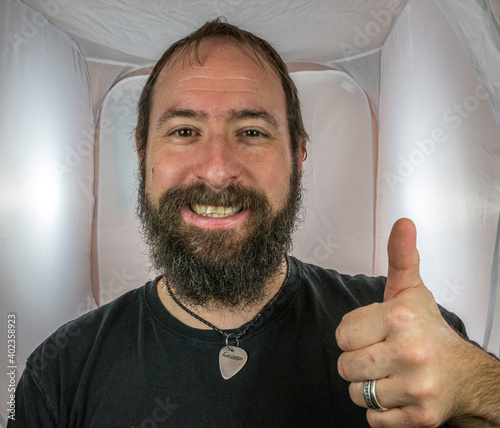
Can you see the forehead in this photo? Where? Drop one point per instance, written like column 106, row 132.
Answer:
column 221, row 68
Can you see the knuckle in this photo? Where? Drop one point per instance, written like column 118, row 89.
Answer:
column 344, row 366
column 342, row 337
column 353, row 393
column 426, row 390
column 386, row 360
column 419, row 355
column 372, row 358
column 401, row 315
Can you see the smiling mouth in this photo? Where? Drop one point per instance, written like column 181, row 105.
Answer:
column 213, row 211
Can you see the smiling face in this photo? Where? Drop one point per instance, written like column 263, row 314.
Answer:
column 220, row 182
column 220, row 123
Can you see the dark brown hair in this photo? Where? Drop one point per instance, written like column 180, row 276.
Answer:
column 220, row 29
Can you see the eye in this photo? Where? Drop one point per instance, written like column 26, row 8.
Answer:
column 253, row 133
column 183, row 132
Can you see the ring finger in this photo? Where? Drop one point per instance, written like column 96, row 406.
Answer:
column 386, row 393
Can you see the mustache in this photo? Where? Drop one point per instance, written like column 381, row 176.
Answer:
column 201, row 194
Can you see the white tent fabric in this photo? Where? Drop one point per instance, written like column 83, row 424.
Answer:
column 137, row 31
column 117, row 227
column 429, row 68
column 439, row 164
column 477, row 25
column 338, row 224
column 46, row 177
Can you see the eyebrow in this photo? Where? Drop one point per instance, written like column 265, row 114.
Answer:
column 177, row 112
column 234, row 114
column 254, row 114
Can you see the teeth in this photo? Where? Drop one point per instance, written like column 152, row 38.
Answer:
column 215, row 212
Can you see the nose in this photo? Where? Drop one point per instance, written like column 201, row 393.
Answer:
column 218, row 164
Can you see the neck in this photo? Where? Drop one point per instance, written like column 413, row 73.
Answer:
column 222, row 318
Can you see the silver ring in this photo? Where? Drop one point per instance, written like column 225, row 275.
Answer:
column 370, row 396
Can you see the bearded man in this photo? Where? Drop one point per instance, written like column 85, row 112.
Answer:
column 234, row 332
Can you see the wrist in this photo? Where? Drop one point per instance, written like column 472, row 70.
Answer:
column 478, row 403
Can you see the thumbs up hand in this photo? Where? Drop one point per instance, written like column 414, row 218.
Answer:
column 422, row 367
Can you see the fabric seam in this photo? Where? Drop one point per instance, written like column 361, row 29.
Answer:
column 44, row 395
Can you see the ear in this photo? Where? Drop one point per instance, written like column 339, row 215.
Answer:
column 301, row 154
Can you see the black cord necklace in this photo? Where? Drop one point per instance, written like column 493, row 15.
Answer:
column 231, row 358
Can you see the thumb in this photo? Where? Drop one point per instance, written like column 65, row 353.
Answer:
column 404, row 261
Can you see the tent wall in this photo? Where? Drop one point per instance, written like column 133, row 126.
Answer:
column 365, row 70
column 302, row 30
column 439, row 163
column 338, row 224
column 45, row 175
column 115, row 224
column 477, row 25
column 103, row 75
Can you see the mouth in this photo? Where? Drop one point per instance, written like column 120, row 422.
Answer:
column 215, row 211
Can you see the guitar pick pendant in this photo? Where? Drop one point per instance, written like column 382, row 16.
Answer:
column 231, row 360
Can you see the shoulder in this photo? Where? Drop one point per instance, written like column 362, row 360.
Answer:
column 77, row 355
column 361, row 288
column 74, row 340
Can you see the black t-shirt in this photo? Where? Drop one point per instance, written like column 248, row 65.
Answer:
column 131, row 364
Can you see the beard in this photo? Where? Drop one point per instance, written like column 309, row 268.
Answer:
column 218, row 268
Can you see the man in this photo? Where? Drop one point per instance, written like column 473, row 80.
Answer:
column 234, row 332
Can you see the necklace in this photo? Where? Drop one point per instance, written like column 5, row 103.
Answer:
column 231, row 358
